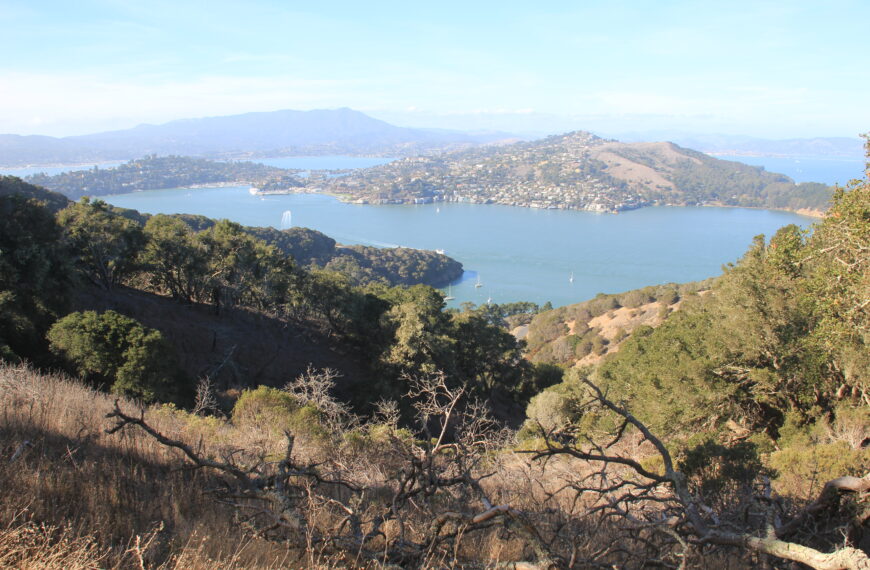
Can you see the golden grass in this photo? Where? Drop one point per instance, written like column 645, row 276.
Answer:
column 74, row 497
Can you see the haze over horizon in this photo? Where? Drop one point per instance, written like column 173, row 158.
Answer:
column 761, row 69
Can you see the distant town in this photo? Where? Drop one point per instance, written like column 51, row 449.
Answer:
column 576, row 171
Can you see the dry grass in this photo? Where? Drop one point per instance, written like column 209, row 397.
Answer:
column 74, row 497
column 77, row 498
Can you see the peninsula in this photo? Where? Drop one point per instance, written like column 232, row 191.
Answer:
column 578, row 171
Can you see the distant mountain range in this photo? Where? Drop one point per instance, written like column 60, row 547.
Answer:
column 276, row 133
column 343, row 131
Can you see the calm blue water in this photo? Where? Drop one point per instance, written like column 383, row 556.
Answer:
column 826, row 170
column 517, row 253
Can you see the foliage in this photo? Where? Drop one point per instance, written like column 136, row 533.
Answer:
column 243, row 270
column 12, row 185
column 551, row 341
column 305, row 246
column 555, row 408
column 768, row 341
column 775, row 354
column 397, row 266
column 106, row 242
column 274, row 411
column 111, row 349
column 361, row 265
column 175, row 259
column 803, row 470
column 701, row 179
column 418, row 335
column 718, row 470
column 34, row 274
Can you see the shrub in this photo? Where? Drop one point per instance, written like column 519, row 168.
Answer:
column 275, row 411
column 803, row 470
column 715, row 469
column 115, row 350
column 555, row 407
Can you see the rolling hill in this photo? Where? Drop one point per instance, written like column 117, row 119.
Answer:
column 580, row 171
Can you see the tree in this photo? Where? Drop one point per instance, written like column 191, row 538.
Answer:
column 243, row 270
column 115, row 350
column 34, row 274
column 175, row 259
column 105, row 242
column 839, row 262
column 420, row 331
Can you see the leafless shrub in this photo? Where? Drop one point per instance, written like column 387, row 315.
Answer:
column 453, row 495
column 206, row 401
column 314, row 387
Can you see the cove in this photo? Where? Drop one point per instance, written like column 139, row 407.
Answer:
column 515, row 254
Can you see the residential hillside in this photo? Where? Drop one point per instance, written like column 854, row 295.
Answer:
column 577, row 171
column 159, row 172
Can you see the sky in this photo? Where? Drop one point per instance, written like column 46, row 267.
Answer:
column 778, row 69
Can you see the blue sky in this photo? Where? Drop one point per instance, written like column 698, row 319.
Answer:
column 770, row 69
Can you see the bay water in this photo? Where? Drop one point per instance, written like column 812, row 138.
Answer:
column 825, row 169
column 515, row 254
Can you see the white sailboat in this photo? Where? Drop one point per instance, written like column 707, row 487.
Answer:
column 449, row 296
column 478, row 285
column 571, row 278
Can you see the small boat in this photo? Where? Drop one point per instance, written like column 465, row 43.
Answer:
column 449, row 296
column 478, row 284
column 571, row 278
column 253, row 191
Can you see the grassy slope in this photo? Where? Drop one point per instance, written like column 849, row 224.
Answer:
column 75, row 497
column 584, row 333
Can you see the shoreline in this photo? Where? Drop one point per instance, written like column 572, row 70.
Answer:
column 351, row 199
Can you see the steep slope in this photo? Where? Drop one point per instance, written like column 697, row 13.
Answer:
column 237, row 349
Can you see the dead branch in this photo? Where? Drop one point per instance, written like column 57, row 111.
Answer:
column 664, row 503
column 432, row 495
